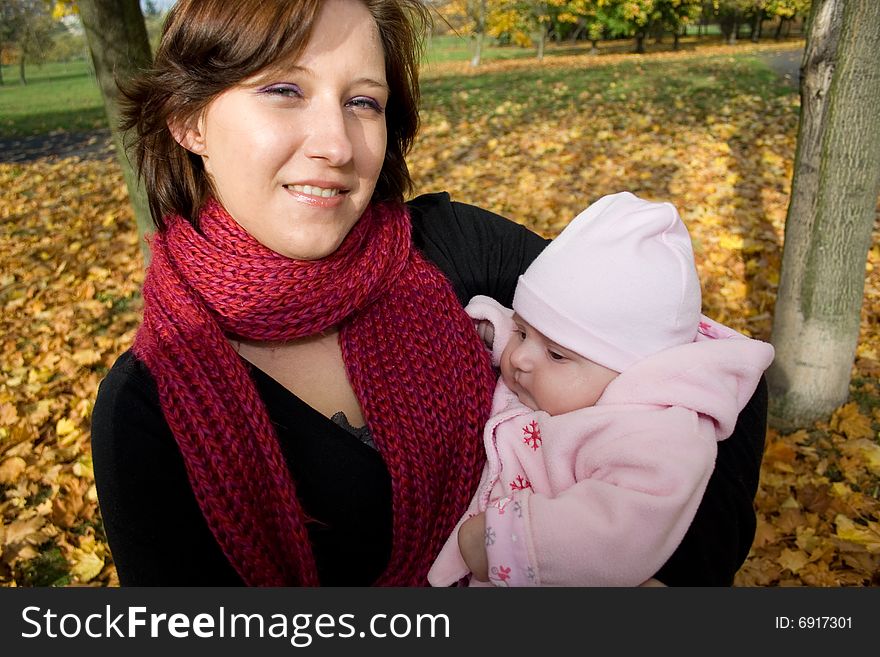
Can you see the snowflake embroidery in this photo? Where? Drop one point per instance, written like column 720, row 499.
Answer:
column 499, row 575
column 706, row 329
column 490, row 536
column 532, row 435
column 520, row 484
column 517, row 508
column 500, row 504
column 530, row 574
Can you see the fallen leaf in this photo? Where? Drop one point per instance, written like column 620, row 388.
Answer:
column 850, row 421
column 867, row 536
column 85, row 565
column 11, row 469
column 793, row 560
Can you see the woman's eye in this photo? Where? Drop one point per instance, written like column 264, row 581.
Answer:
column 283, row 90
column 365, row 102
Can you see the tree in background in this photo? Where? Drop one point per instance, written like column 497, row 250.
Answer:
column 119, row 47
column 530, row 23
column 9, row 20
column 468, row 17
column 675, row 15
column 830, row 215
column 28, row 27
column 786, row 11
column 525, row 23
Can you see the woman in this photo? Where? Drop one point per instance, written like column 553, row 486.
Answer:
column 303, row 402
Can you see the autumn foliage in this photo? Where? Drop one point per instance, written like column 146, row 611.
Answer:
column 533, row 142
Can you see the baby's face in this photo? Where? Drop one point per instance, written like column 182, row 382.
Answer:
column 547, row 377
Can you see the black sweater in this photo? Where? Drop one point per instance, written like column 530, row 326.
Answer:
column 155, row 528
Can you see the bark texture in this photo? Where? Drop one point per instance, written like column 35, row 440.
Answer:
column 831, row 213
column 118, row 43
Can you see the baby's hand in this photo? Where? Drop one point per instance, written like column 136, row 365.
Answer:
column 472, row 544
column 486, row 330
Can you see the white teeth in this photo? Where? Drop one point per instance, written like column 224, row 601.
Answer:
column 311, row 190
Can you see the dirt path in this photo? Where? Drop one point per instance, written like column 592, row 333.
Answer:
column 786, row 63
column 93, row 145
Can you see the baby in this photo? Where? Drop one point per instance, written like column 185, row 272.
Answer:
column 614, row 391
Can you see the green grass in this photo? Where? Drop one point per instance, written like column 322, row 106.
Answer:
column 57, row 96
column 452, row 48
column 702, row 86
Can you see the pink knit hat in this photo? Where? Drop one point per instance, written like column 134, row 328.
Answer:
column 617, row 285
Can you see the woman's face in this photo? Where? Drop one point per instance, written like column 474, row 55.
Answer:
column 294, row 155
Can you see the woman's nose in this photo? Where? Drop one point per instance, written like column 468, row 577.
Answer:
column 328, row 137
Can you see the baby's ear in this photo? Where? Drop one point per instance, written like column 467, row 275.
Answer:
column 189, row 133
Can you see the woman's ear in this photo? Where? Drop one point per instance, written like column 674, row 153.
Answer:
column 189, row 133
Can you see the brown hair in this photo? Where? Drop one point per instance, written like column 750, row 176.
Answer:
column 209, row 46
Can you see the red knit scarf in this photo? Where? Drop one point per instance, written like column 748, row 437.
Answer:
column 417, row 367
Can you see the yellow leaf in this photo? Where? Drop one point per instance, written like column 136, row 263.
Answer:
column 21, row 530
column 8, row 414
column 86, row 565
column 867, row 536
column 64, row 427
column 849, row 421
column 865, row 451
column 11, row 469
column 790, row 503
column 794, row 560
column 731, row 242
column 840, row 489
column 86, row 357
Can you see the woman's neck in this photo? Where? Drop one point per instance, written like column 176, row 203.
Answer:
column 311, row 368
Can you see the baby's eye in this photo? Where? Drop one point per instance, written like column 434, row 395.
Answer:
column 520, row 333
column 555, row 355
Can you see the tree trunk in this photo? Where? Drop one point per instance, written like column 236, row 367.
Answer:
column 481, row 31
column 778, row 34
column 640, row 42
column 756, row 26
column 21, row 75
column 594, row 46
column 831, row 214
column 119, row 46
column 542, row 39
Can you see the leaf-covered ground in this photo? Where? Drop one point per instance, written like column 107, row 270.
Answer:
column 714, row 132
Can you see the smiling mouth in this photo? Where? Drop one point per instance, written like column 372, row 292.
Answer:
column 312, row 190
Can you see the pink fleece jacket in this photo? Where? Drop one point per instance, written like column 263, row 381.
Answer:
column 602, row 496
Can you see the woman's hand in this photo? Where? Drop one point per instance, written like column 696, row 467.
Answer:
column 652, row 583
column 472, row 544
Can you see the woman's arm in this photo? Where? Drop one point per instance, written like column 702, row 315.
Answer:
column 155, row 529
column 480, row 252
column 720, row 536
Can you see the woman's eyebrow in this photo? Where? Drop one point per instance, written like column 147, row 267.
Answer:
column 372, row 83
column 302, row 70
